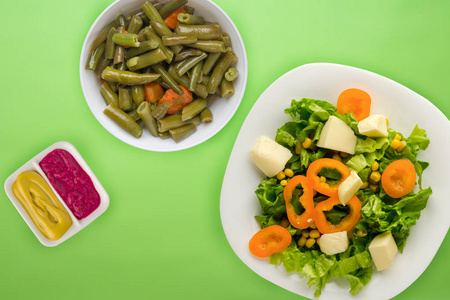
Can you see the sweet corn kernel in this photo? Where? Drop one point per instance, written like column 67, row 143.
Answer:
column 375, row 166
column 364, row 185
column 288, row 172
column 375, row 177
column 284, row 223
column 387, row 121
column 395, row 144
column 361, row 233
column 314, row 234
column 305, row 233
column 283, row 182
column 322, row 179
column 337, row 157
column 298, row 147
column 280, row 175
column 301, row 242
column 310, row 243
column 374, row 187
column 307, row 143
column 397, row 137
column 401, row 147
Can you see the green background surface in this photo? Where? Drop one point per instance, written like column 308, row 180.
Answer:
column 161, row 237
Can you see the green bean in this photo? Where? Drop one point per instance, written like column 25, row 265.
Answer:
column 162, row 31
column 101, row 37
column 135, row 25
column 121, row 66
column 226, row 88
column 189, row 63
column 164, row 135
column 126, row 39
column 119, row 52
column 181, row 133
column 231, row 74
column 152, row 13
column 178, row 40
column 151, row 35
column 200, row 90
column 206, row 116
column 110, row 46
column 146, row 116
column 196, row 74
column 138, row 94
column 127, row 77
column 222, row 66
column 193, row 109
column 163, row 83
column 205, row 79
column 181, row 80
column 189, row 9
column 134, row 115
column 146, row 59
column 108, row 94
column 123, row 120
column 171, row 122
column 160, row 110
column 121, row 21
column 141, row 35
column 144, row 47
column 171, row 6
column 211, row 46
column 125, row 101
column 226, row 39
column 101, row 65
column 158, row 68
column 202, row 32
column 95, row 57
column 210, row 62
column 114, row 86
column 138, row 13
column 190, row 19
column 187, row 53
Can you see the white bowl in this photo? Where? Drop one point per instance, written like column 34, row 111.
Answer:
column 77, row 225
column 222, row 109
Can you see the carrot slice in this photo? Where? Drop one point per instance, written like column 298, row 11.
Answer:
column 176, row 101
column 153, row 92
column 269, row 240
column 399, row 178
column 354, row 101
column 172, row 19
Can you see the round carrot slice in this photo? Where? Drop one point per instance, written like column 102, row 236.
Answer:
column 269, row 240
column 354, row 101
column 399, row 178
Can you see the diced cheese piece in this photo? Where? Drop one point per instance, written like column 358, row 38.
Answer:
column 383, row 250
column 333, row 243
column 337, row 135
column 348, row 188
column 269, row 156
column 373, row 126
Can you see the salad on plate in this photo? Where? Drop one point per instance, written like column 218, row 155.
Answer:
column 341, row 191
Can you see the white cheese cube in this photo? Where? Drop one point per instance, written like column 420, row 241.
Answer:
column 269, row 156
column 383, row 250
column 348, row 188
column 337, row 135
column 373, row 126
column 333, row 243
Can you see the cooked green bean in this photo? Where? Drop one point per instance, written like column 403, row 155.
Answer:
column 205, row 79
column 160, row 110
column 210, row 62
column 181, row 80
column 181, row 133
column 141, row 35
column 125, row 102
column 121, row 21
column 134, row 115
column 178, row 40
column 139, row 13
column 187, row 53
column 190, row 19
column 226, row 88
column 138, row 94
column 189, row 9
column 101, row 37
column 146, row 116
column 226, row 39
column 123, row 120
column 193, row 109
column 126, row 39
column 171, row 6
column 164, row 135
column 114, row 86
column 200, row 90
column 151, row 35
column 119, row 52
column 206, row 116
column 211, row 46
column 231, row 74
column 222, row 66
column 121, row 66
column 158, row 68
column 95, row 57
column 163, row 83
column 202, row 32
column 108, row 94
column 127, row 77
column 101, row 65
column 171, row 122
column 152, row 13
column 144, row 47
column 110, row 46
column 162, row 31
column 196, row 74
column 146, row 59
column 135, row 25
column 189, row 63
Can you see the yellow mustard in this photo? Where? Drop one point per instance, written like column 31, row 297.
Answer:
column 41, row 204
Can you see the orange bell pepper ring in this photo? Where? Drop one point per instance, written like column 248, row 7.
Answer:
column 305, row 219
column 346, row 223
column 322, row 187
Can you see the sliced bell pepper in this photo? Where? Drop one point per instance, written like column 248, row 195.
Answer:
column 305, row 219
column 322, row 187
column 346, row 223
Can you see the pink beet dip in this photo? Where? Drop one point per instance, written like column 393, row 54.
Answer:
column 71, row 182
